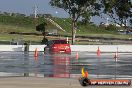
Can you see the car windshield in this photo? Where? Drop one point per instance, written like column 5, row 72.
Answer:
column 59, row 41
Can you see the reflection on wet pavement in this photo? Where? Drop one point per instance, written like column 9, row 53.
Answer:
column 65, row 65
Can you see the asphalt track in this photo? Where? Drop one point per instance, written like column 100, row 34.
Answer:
column 22, row 70
column 50, row 65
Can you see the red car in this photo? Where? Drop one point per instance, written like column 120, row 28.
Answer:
column 58, row 46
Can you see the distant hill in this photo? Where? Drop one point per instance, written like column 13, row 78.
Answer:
column 29, row 23
column 25, row 27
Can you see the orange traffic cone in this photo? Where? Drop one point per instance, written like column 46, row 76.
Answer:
column 98, row 52
column 77, row 55
column 36, row 53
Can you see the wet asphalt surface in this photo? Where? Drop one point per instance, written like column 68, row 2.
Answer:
column 66, row 65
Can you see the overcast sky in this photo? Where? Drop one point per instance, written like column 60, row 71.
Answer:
column 26, row 7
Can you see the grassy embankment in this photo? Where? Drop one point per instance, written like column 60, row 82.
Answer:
column 10, row 24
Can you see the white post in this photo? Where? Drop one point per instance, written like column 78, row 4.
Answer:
column 67, row 39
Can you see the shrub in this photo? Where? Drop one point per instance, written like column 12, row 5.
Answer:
column 44, row 41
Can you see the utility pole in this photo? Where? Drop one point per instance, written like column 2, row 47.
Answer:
column 35, row 9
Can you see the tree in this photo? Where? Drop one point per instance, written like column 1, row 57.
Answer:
column 131, row 23
column 41, row 28
column 118, row 10
column 77, row 9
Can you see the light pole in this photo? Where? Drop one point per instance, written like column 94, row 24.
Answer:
column 107, row 21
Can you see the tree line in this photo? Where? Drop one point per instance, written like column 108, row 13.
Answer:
column 24, row 15
column 118, row 10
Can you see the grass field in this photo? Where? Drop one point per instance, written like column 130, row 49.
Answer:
column 92, row 31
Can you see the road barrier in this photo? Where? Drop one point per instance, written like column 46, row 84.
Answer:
column 74, row 48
